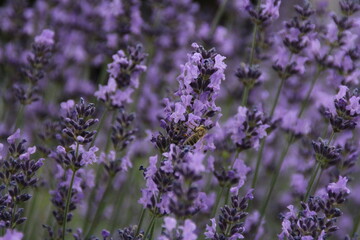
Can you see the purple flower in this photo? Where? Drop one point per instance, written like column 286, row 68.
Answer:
column 189, row 230
column 169, row 223
column 211, row 230
column 246, row 128
column 12, row 139
column 46, row 37
column 89, row 157
column 340, row 186
column 178, row 115
column 354, row 105
column 12, row 235
column 105, row 233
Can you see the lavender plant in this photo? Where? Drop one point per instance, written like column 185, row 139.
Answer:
column 208, row 119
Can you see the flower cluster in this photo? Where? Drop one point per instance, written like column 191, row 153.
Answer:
column 247, row 128
column 326, row 155
column 17, row 175
column 347, row 109
column 230, row 220
column 172, row 150
column 267, row 11
column 188, row 120
column 317, row 218
column 71, row 158
column 124, row 77
column 38, row 61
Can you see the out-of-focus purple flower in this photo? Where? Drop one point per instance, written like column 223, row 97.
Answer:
column 124, row 74
column 189, row 230
column 169, row 223
column 246, row 128
column 12, row 235
column 339, row 187
column 46, row 37
column 11, row 139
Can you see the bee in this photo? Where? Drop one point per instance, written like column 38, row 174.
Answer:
column 199, row 133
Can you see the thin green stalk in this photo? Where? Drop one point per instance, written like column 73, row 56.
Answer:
column 356, row 225
column 274, row 180
column 91, row 199
column 119, row 202
column 100, row 125
column 227, row 196
column 245, row 96
column 142, row 216
column 19, row 117
column 253, row 45
column 152, row 230
column 318, row 180
column 68, row 198
column 258, row 162
column 308, row 94
column 29, row 212
column 108, row 140
column 150, row 225
column 312, row 179
column 218, row 198
column 99, row 209
column 277, row 96
column 331, row 138
column 217, row 17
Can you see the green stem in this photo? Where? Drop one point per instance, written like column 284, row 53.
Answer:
column 331, row 138
column 245, row 96
column 273, row 181
column 91, row 199
column 131, row 179
column 142, row 216
column 108, row 140
column 308, row 94
column 29, row 212
column 152, row 230
column 227, row 196
column 100, row 125
column 258, row 162
column 150, row 225
column 312, row 179
column 217, row 17
column 356, row 225
column 253, row 45
column 99, row 209
column 318, row 180
column 68, row 198
column 277, row 96
column 19, row 117
column 218, row 198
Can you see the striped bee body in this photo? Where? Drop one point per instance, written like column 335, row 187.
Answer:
column 199, row 133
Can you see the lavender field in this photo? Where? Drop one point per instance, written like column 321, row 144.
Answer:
column 179, row 119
